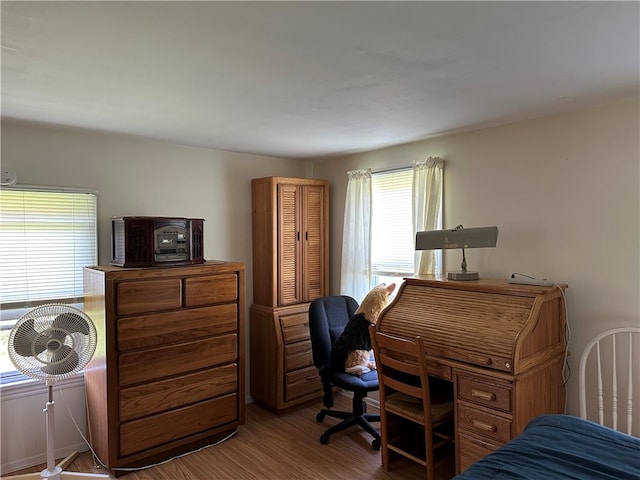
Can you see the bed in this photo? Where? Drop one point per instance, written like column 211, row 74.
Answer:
column 561, row 447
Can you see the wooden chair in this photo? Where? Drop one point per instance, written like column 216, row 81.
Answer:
column 405, row 396
column 608, row 365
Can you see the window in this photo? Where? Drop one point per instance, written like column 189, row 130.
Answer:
column 392, row 239
column 382, row 212
column 47, row 236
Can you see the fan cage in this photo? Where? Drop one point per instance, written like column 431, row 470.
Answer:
column 52, row 342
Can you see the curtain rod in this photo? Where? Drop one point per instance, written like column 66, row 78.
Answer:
column 395, row 169
column 48, row 188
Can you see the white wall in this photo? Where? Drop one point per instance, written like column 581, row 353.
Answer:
column 24, row 439
column 564, row 193
column 133, row 176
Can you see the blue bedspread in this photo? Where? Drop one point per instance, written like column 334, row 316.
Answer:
column 561, row 447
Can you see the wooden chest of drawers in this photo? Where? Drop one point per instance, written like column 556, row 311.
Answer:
column 282, row 371
column 168, row 373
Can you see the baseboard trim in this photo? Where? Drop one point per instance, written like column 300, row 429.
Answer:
column 28, row 462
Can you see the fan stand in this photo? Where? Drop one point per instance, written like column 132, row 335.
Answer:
column 53, row 471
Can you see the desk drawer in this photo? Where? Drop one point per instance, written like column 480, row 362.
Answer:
column 439, row 370
column 483, row 423
column 489, row 394
column 295, row 327
column 473, row 449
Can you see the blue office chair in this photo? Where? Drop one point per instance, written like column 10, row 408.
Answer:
column 327, row 318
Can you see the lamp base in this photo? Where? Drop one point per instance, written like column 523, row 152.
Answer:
column 463, row 275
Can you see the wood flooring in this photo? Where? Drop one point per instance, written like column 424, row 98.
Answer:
column 274, row 447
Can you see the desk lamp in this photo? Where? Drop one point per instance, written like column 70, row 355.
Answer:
column 459, row 237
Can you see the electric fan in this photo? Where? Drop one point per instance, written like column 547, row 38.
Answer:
column 49, row 343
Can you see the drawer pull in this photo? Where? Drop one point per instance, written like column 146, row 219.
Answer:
column 484, row 426
column 483, row 395
column 480, row 359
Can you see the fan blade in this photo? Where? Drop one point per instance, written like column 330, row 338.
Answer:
column 25, row 337
column 71, row 322
column 40, row 343
column 63, row 361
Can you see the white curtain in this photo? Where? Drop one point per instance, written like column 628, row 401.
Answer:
column 427, row 210
column 355, row 273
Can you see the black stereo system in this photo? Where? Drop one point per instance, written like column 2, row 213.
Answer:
column 155, row 241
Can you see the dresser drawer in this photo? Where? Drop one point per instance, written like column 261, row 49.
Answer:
column 155, row 430
column 148, row 296
column 295, row 327
column 489, row 394
column 302, row 382
column 173, row 327
column 297, row 355
column 199, row 291
column 157, row 363
column 156, row 397
column 492, row 426
column 473, row 449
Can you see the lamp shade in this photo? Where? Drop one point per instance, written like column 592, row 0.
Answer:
column 457, row 238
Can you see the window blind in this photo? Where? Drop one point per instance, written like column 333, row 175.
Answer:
column 392, row 243
column 46, row 238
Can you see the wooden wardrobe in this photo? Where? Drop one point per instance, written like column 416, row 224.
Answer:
column 290, row 269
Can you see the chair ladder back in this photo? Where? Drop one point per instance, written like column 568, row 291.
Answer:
column 630, row 385
column 391, row 382
column 400, row 361
column 619, row 339
column 600, row 391
column 401, row 357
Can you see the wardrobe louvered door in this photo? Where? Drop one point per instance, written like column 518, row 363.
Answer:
column 301, row 244
column 289, row 245
column 314, row 254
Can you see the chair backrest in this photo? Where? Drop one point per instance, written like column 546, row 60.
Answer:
column 406, row 400
column 608, row 366
column 327, row 318
column 401, row 366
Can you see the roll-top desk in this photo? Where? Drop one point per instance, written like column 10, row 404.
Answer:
column 502, row 346
column 168, row 373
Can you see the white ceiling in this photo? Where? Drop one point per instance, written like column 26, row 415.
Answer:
column 310, row 79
